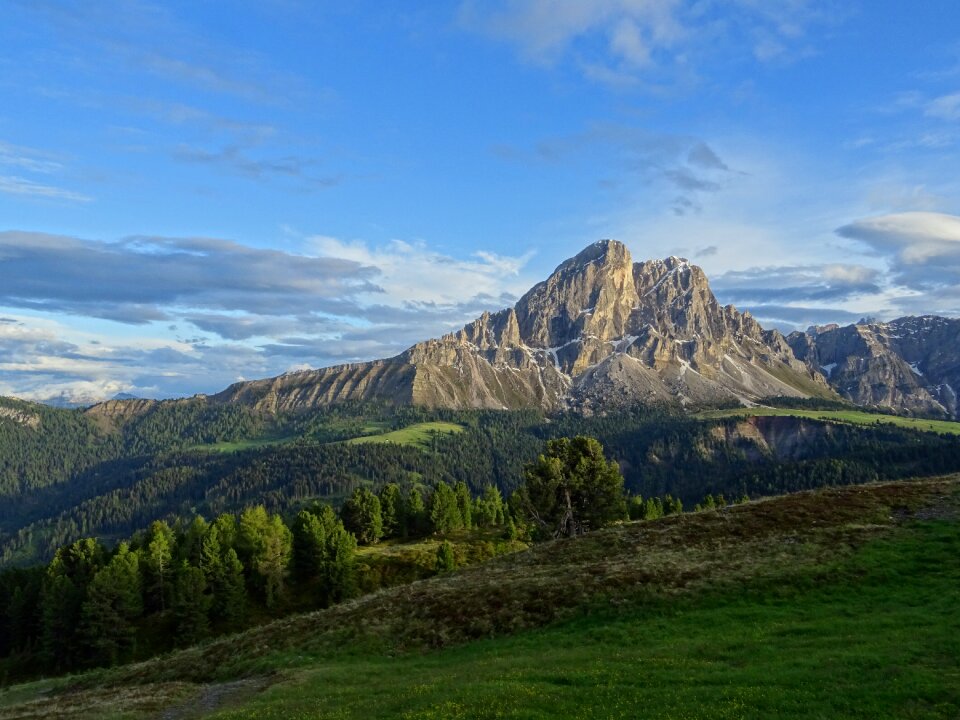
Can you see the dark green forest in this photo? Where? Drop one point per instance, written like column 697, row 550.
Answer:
column 172, row 586
column 71, row 475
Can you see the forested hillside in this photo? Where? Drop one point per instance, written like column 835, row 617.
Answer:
column 68, row 474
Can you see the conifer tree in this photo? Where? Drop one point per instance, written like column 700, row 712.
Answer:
column 362, row 516
column 191, row 605
column 62, row 595
column 572, row 488
column 415, row 513
column 188, row 545
column 273, row 561
column 445, row 558
column 231, row 600
column 113, row 604
column 309, row 547
column 158, row 564
column 444, row 510
column 339, row 570
column 464, row 504
column 391, row 510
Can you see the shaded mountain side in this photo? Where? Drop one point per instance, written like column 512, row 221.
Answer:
column 601, row 331
column 911, row 364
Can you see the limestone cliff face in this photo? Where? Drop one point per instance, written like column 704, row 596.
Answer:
column 911, row 364
column 600, row 331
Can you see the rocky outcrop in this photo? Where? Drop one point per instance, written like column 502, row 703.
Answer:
column 599, row 331
column 20, row 416
column 909, row 365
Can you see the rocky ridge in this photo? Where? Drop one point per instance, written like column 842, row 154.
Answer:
column 600, row 331
column 911, row 364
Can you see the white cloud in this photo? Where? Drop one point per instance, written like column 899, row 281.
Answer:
column 914, row 238
column 945, row 107
column 14, row 185
column 252, row 312
column 412, row 272
column 615, row 41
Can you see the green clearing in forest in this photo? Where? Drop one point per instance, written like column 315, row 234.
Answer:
column 419, row 434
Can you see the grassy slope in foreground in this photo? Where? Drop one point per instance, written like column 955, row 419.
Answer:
column 838, row 603
column 855, row 417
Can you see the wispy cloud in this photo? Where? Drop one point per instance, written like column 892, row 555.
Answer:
column 620, row 42
column 685, row 164
column 235, row 159
column 28, row 159
column 14, row 185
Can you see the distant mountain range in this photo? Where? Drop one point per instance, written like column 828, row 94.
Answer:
column 910, row 365
column 603, row 331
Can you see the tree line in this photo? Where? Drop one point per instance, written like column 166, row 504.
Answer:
column 69, row 477
column 176, row 584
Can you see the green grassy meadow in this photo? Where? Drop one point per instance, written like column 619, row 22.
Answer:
column 838, row 603
column 846, row 416
column 418, row 434
column 875, row 636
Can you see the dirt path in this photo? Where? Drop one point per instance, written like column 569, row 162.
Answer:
column 215, row 697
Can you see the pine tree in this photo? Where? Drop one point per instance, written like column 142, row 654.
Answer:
column 338, row 577
column 158, row 564
column 309, row 547
column 415, row 514
column 464, row 503
column 362, row 516
column 191, row 605
column 273, row 560
column 572, row 488
column 391, row 510
column 114, row 603
column 445, row 558
column 231, row 600
column 444, row 510
column 62, row 595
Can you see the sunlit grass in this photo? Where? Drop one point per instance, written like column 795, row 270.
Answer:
column 876, row 635
column 417, row 434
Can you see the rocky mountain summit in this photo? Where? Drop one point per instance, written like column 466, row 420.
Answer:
column 911, row 364
column 600, row 331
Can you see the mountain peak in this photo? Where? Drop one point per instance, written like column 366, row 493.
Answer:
column 602, row 250
column 600, row 330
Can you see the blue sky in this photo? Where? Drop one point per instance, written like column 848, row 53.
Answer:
column 193, row 193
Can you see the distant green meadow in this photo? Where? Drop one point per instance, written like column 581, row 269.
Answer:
column 855, row 417
column 419, row 434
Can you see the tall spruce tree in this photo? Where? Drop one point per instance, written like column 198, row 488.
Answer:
column 464, row 503
column 62, row 595
column 191, row 605
column 391, row 510
column 444, row 510
column 113, row 604
column 362, row 516
column 158, row 565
